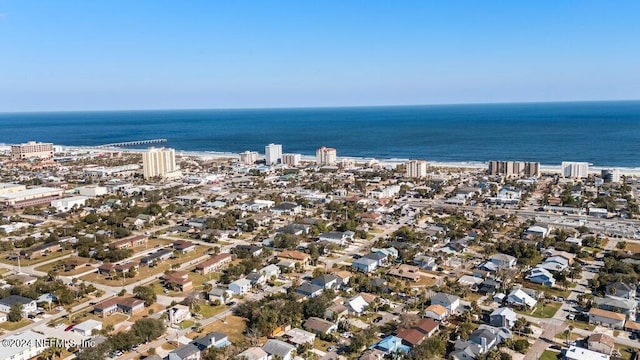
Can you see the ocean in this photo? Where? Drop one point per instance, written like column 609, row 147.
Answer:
column 602, row 133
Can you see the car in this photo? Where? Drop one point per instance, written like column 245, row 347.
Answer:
column 377, row 320
column 571, row 317
column 633, row 336
column 231, row 303
column 331, row 348
column 68, row 328
column 59, row 326
column 31, row 316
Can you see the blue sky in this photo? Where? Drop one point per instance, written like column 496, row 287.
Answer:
column 92, row 55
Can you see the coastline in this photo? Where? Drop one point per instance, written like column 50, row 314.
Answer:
column 470, row 165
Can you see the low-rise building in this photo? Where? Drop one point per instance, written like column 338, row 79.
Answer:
column 601, row 343
column 606, row 318
column 216, row 263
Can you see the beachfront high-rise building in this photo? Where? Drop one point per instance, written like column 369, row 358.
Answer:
column 610, row 175
column 32, row 149
column 514, row 168
column 416, row 169
column 158, row 162
column 249, row 157
column 576, row 170
column 326, row 156
column 273, row 154
column 291, row 159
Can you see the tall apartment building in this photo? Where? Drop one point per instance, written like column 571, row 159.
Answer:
column 610, row 175
column 158, row 162
column 249, row 157
column 291, row 159
column 514, row 168
column 326, row 156
column 32, row 149
column 273, row 154
column 575, row 169
column 416, row 169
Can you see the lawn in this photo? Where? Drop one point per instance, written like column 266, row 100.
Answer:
column 550, row 291
column 550, row 355
column 543, row 311
column 626, row 353
column 78, row 270
column 632, row 247
column 426, row 281
column 108, row 320
column 208, row 311
column 10, row 326
column 233, row 326
column 186, row 324
column 25, row 262
column 145, row 272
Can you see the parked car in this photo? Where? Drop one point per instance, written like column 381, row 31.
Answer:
column 68, row 328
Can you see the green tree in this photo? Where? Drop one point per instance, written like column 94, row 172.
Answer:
column 15, row 313
column 145, row 293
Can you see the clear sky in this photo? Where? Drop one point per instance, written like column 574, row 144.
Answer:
column 154, row 54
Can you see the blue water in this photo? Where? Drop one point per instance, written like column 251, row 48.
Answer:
column 602, row 133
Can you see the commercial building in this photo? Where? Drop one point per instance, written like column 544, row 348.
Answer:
column 66, row 204
column 159, row 162
column 416, row 169
column 112, row 171
column 92, row 191
column 514, row 168
column 291, row 159
column 249, row 157
column 6, row 188
column 273, row 154
column 326, row 156
column 30, row 197
column 32, row 149
column 576, row 170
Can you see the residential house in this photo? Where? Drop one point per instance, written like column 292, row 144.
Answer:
column 87, row 327
column 541, row 276
column 122, row 269
column 488, row 287
column 365, row 265
column 410, row 337
column 256, row 278
column 294, row 229
column 622, row 290
column 606, row 318
column 178, row 313
column 450, row 302
column 327, row 281
column 31, row 344
column 216, row 263
column 178, row 280
column 503, row 317
column 186, row 352
column 380, row 257
column 253, row 353
column 286, row 208
column 133, row 223
column 220, row 295
column 520, row 298
column 298, row 336
column 390, row 345
column 184, row 246
column 427, row 326
column 504, row 261
column 537, row 230
column 436, row 311
column 270, row 271
column 309, row 290
column 344, row 277
column 297, row 256
column 253, row 250
column 578, row 353
column 320, row 326
column 356, row 304
column 240, row 286
column 337, row 237
column 480, row 341
column 126, row 305
column 617, row 304
column 28, row 305
column 156, row 257
column 213, row 339
column 279, row 348
column 601, row 343
column 554, row 263
column 130, row 242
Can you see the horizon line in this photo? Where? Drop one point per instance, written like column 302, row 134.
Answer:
column 323, row 106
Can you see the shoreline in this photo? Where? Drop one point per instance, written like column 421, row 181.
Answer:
column 471, row 165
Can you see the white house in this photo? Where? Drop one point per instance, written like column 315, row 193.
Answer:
column 240, row 286
column 520, row 298
column 28, row 306
column 449, row 302
column 178, row 313
column 86, row 328
column 337, row 237
column 270, row 271
column 32, row 345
